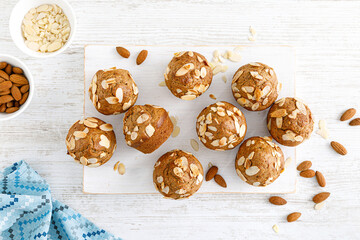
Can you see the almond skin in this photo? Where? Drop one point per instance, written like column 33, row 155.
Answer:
column 220, row 180
column 320, row 197
column 18, row 79
column 17, row 70
column 15, row 92
column 4, row 75
column 305, row 165
column 5, row 86
column 292, row 217
column 24, row 98
column 141, row 57
column 211, row 173
column 340, row 149
column 123, row 52
column 320, row 179
column 355, row 122
column 307, row 173
column 11, row 109
column 6, row 99
column 3, row 65
column 276, row 200
column 348, row 114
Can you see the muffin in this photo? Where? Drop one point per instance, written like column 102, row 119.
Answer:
column 188, row 75
column 113, row 91
column 91, row 142
column 221, row 126
column 290, row 121
column 259, row 161
column 255, row 86
column 146, row 127
column 177, row 174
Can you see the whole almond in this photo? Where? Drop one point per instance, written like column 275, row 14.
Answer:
column 123, row 52
column 17, row 104
column 355, row 122
column 4, row 75
column 305, row 165
column 2, row 107
column 15, row 92
column 18, row 79
column 307, row 173
column 6, row 99
column 8, row 69
column 6, row 92
column 211, row 173
column 276, row 200
column 23, row 98
column 292, row 217
column 11, row 110
column 10, row 104
column 141, row 57
column 348, row 114
column 24, row 88
column 340, row 149
column 320, row 197
column 320, row 179
column 2, row 80
column 17, row 70
column 3, row 65
column 220, row 180
column 5, row 86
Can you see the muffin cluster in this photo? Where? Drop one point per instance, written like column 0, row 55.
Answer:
column 220, row 126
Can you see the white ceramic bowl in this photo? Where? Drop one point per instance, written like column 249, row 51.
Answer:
column 17, row 63
column 17, row 16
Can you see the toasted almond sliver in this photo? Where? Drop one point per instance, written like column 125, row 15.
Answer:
column 176, row 131
column 162, row 84
column 121, row 169
column 194, row 144
column 116, row 165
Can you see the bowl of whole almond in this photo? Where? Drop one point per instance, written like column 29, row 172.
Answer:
column 16, row 87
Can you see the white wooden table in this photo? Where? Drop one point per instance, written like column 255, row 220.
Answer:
column 326, row 35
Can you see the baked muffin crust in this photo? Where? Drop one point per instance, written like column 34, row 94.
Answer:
column 290, row 121
column 146, row 127
column 177, row 174
column 188, row 75
column 113, row 91
column 221, row 126
column 259, row 161
column 91, row 142
column 255, row 86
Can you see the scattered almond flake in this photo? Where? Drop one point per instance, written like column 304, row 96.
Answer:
column 323, row 131
column 210, row 165
column 224, row 68
column 218, row 68
column 252, row 31
column 194, row 144
column 224, row 78
column 238, row 49
column 116, row 165
column 275, row 228
column 121, row 169
column 288, row 161
column 176, row 131
column 173, row 120
column 319, row 206
column 212, row 96
column 234, row 56
column 251, row 38
column 162, row 84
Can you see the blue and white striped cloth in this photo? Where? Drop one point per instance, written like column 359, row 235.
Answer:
column 27, row 210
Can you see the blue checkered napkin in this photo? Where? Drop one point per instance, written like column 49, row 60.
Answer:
column 27, row 210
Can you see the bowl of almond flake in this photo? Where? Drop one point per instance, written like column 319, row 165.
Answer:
column 42, row 28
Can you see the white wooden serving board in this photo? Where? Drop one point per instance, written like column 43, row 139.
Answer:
column 139, row 167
